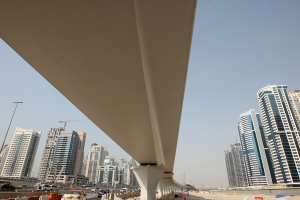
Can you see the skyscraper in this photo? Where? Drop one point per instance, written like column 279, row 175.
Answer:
column 62, row 168
column 230, row 169
column 235, row 165
column 48, row 153
column 295, row 101
column 108, row 173
column 79, row 153
column 281, row 132
column 254, row 149
column 132, row 179
column 3, row 155
column 94, row 160
column 21, row 153
column 124, row 172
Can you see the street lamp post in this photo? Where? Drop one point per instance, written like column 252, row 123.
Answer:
column 10, row 122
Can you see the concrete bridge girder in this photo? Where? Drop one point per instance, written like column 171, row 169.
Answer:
column 122, row 63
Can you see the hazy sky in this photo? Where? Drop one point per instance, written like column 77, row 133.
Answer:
column 238, row 47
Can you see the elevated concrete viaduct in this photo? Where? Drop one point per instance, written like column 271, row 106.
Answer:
column 123, row 63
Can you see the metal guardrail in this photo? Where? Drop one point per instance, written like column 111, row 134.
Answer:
column 13, row 195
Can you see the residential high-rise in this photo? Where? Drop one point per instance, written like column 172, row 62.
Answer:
column 254, row 149
column 3, row 155
column 132, row 179
column 47, row 157
column 94, row 161
column 295, row 101
column 21, row 153
column 235, row 165
column 62, row 168
column 79, row 153
column 108, row 172
column 230, row 169
column 281, row 132
column 83, row 166
column 124, row 172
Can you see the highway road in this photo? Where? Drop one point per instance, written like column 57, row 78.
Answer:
column 196, row 198
column 286, row 194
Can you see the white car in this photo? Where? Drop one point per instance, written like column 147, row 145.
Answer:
column 73, row 197
column 93, row 190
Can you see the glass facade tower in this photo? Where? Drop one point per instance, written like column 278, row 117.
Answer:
column 235, row 166
column 254, row 149
column 281, row 132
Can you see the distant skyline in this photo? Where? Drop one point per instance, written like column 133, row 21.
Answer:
column 238, row 47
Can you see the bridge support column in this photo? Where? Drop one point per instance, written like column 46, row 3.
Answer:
column 166, row 184
column 148, row 177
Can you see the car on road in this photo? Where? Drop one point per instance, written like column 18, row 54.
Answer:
column 73, row 196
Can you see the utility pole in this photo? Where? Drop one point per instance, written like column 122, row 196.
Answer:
column 10, row 122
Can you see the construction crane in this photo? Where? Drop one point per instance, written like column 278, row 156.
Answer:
column 66, row 122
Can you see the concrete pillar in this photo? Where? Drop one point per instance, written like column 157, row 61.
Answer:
column 166, row 183
column 161, row 189
column 148, row 177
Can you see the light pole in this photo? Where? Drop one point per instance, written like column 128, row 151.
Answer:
column 10, row 122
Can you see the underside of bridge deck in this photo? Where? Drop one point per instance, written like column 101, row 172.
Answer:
column 122, row 63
